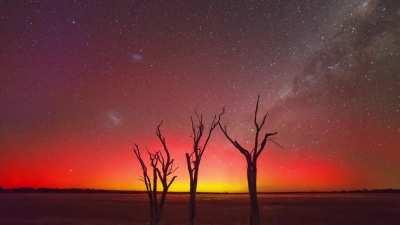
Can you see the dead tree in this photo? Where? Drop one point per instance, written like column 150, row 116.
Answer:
column 162, row 168
column 193, row 159
column 251, row 155
column 167, row 168
column 150, row 181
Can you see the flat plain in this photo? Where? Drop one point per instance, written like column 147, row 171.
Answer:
column 213, row 209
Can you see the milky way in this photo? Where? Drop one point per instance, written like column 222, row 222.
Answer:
column 83, row 80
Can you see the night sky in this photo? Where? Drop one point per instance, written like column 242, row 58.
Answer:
column 81, row 81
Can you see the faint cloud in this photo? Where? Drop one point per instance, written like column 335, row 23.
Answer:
column 136, row 57
column 113, row 119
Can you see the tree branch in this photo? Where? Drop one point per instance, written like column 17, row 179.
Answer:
column 241, row 149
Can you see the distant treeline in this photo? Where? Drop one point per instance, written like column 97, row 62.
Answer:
column 89, row 190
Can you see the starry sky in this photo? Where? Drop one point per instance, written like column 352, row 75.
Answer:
column 81, row 81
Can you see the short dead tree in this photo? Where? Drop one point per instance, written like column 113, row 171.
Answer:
column 162, row 168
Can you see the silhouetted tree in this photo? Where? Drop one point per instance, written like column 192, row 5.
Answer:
column 193, row 159
column 162, row 168
column 251, row 155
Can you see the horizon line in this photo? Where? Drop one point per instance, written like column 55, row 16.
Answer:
column 97, row 190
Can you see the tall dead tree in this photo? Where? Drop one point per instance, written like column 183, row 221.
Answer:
column 162, row 168
column 193, row 159
column 251, row 155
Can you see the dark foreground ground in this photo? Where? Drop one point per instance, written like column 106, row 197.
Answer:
column 213, row 209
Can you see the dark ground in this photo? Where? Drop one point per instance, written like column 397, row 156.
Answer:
column 213, row 209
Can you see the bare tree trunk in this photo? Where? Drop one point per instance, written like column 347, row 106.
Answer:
column 155, row 181
column 252, row 186
column 152, row 216
column 153, row 212
column 192, row 208
column 161, row 206
column 192, row 201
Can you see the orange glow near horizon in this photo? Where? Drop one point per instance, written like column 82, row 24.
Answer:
column 74, row 164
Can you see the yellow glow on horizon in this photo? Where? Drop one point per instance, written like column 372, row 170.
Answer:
column 210, row 186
